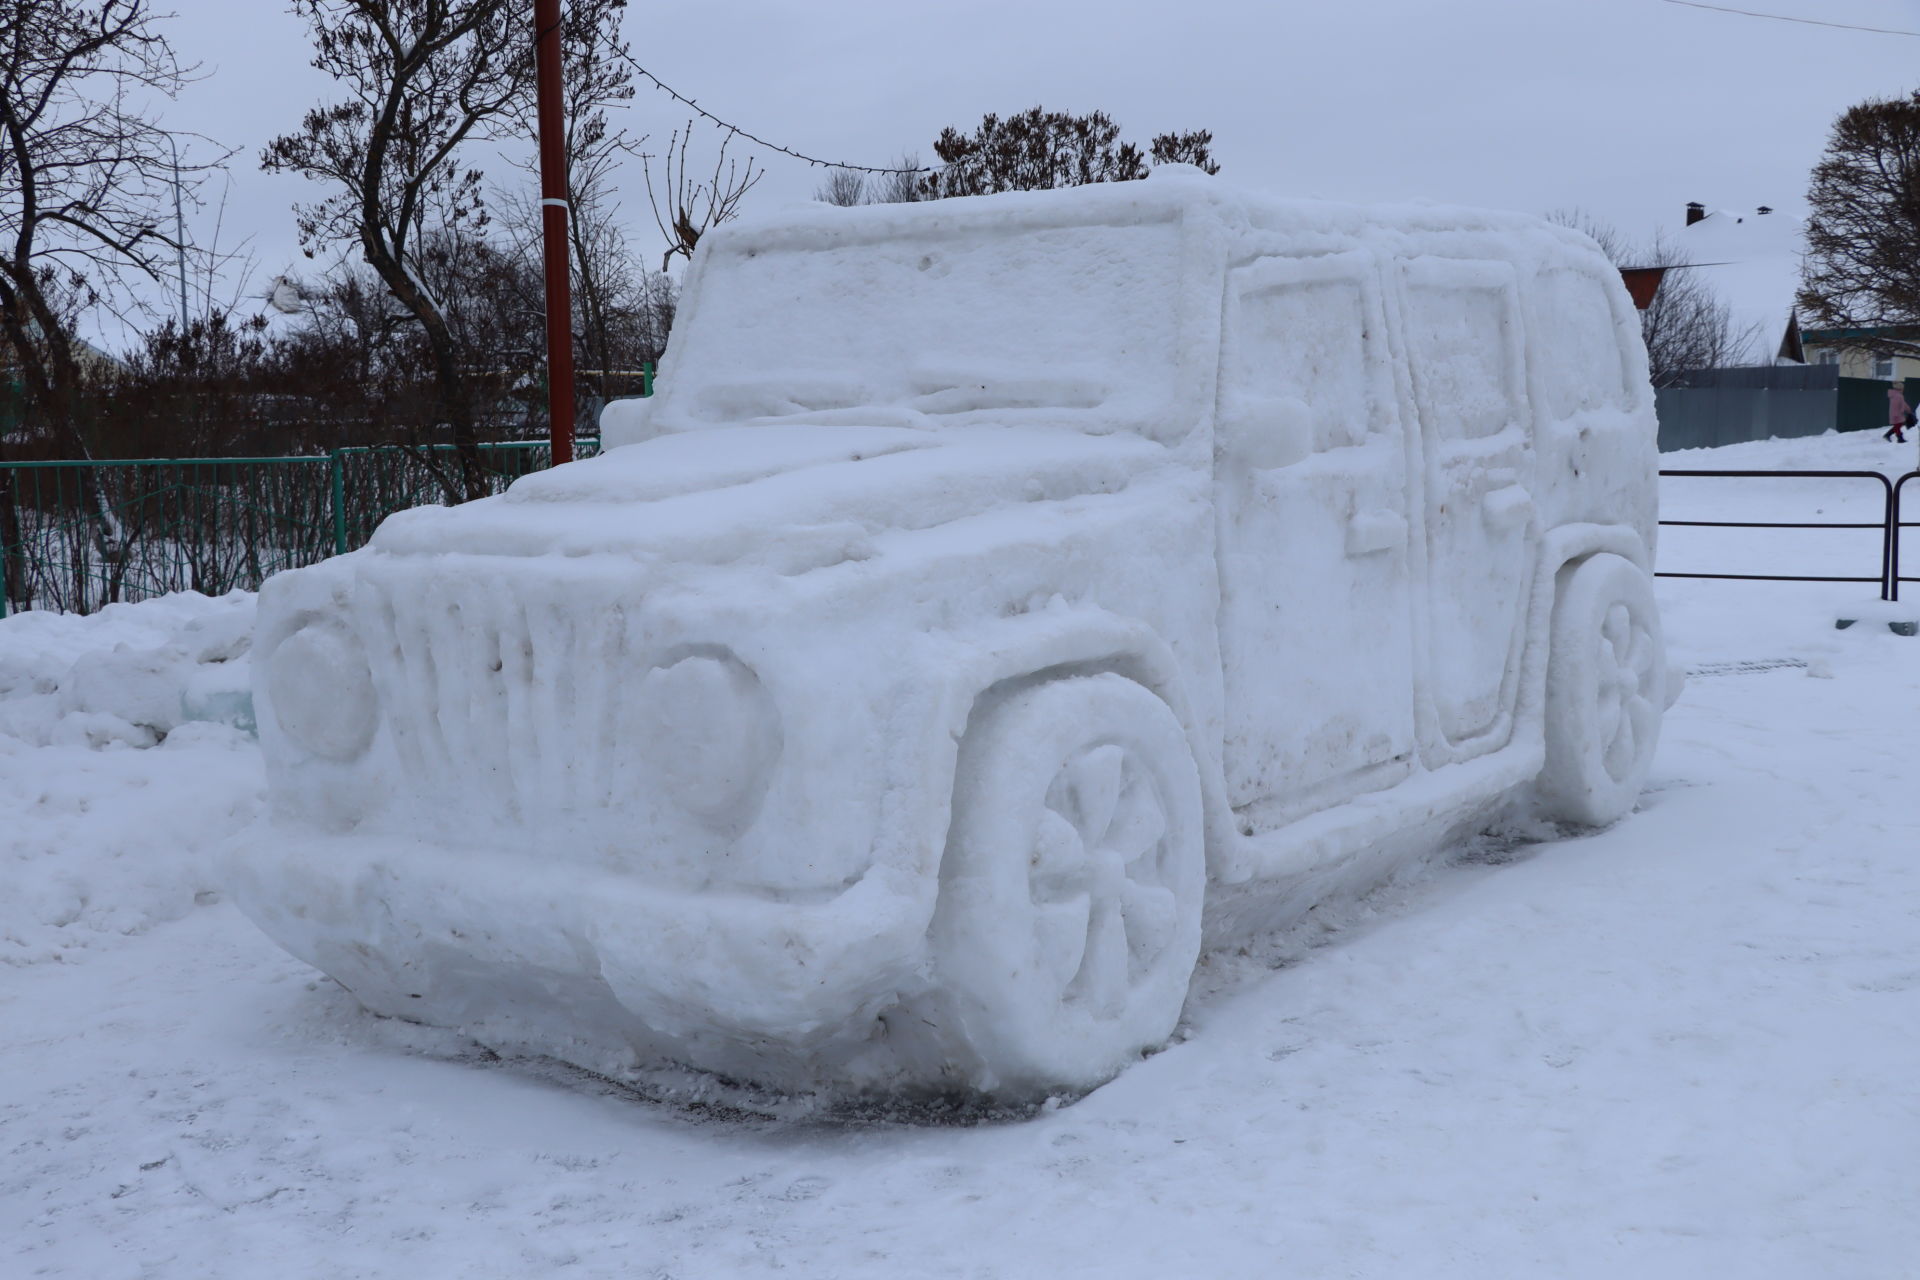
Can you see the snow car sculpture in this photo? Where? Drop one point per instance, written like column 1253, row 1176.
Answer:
column 1001, row 597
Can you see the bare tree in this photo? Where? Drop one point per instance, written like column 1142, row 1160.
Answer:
column 347, row 350
column 622, row 310
column 1687, row 326
column 84, row 169
column 422, row 79
column 1862, row 265
column 686, row 207
column 85, row 175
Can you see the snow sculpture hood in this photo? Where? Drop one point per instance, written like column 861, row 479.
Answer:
column 728, row 495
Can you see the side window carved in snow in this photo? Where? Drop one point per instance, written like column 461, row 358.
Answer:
column 1465, row 346
column 1301, row 361
column 1577, row 356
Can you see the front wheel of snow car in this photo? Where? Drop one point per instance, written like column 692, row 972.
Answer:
column 1606, row 686
column 1069, row 914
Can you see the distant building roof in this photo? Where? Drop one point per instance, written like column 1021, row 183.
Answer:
column 1757, row 267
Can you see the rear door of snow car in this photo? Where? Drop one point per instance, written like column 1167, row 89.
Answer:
column 1465, row 349
column 1312, row 494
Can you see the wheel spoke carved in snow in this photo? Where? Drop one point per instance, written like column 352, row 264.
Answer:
column 1626, row 664
column 1097, row 879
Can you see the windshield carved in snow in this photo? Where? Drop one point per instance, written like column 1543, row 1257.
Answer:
column 1071, row 326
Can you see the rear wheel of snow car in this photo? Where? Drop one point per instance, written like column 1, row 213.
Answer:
column 1069, row 914
column 1606, row 681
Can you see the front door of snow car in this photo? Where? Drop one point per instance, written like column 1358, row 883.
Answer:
column 1465, row 348
column 1311, row 485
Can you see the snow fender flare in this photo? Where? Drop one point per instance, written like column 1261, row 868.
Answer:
column 1062, row 640
column 1561, row 548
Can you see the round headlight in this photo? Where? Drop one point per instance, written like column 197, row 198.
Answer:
column 708, row 730
column 322, row 692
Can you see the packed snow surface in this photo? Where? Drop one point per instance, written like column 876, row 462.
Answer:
column 1677, row 1048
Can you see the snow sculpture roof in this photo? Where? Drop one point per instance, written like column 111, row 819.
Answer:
column 1095, row 307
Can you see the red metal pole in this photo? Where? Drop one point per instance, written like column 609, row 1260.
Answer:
column 553, row 221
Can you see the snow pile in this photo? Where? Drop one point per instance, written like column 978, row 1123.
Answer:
column 127, row 675
column 101, row 841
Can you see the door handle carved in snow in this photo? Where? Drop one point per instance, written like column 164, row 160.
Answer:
column 1373, row 531
column 1508, row 508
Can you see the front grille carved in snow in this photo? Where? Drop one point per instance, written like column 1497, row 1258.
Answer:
column 505, row 699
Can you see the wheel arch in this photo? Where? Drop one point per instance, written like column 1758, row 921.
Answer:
column 1562, row 549
column 1061, row 642
column 1575, row 784
column 1572, row 542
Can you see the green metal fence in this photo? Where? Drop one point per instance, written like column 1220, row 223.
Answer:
column 78, row 536
column 1863, row 403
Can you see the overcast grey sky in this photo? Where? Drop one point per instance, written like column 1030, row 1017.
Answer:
column 1626, row 108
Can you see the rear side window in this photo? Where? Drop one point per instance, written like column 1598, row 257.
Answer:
column 1302, row 342
column 1577, row 358
column 1463, row 331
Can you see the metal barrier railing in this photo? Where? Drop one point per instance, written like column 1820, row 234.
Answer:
column 1894, row 525
column 80, row 535
column 1889, row 525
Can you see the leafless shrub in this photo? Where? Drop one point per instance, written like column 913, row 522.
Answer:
column 843, row 187
column 686, row 207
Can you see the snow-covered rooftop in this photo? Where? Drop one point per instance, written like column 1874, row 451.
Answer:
column 1757, row 267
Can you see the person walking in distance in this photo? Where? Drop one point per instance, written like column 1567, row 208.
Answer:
column 1900, row 415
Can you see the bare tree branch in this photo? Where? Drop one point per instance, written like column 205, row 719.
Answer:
column 685, row 208
column 86, row 174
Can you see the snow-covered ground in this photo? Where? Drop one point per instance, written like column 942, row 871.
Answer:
column 1682, row 1047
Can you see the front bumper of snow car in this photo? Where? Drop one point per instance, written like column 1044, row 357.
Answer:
column 598, row 969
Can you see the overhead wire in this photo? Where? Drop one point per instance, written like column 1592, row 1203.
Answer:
column 1786, row 17
column 758, row 141
column 816, row 161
